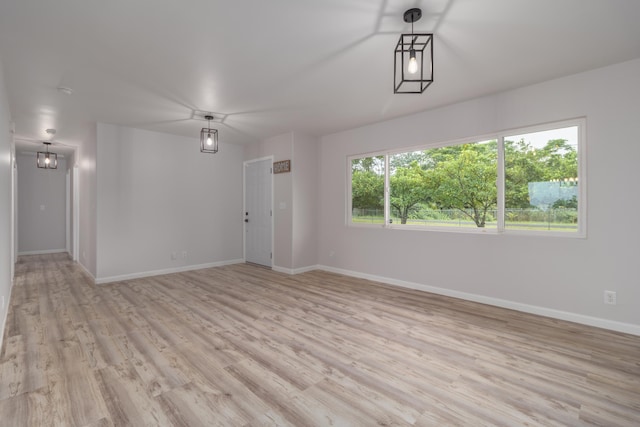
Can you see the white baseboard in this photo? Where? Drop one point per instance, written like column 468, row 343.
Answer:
column 513, row 305
column 48, row 251
column 293, row 271
column 627, row 328
column 110, row 279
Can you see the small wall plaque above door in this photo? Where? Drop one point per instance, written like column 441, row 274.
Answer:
column 282, row 166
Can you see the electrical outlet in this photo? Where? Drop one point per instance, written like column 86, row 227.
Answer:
column 184, row 254
column 610, row 297
column 174, row 256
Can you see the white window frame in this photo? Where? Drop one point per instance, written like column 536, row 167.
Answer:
column 581, row 232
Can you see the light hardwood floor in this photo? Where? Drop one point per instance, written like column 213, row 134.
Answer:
column 244, row 346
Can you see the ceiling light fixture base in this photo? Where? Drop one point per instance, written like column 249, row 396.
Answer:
column 412, row 15
column 201, row 114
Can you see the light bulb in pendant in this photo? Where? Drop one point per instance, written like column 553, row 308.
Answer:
column 47, row 160
column 209, row 140
column 413, row 63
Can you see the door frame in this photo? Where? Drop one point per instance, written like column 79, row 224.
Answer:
column 67, row 211
column 75, row 215
column 14, row 206
column 244, row 207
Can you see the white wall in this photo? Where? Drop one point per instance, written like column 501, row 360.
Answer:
column 294, row 200
column 41, row 206
column 88, row 197
column 561, row 277
column 70, row 231
column 304, row 170
column 6, row 170
column 157, row 194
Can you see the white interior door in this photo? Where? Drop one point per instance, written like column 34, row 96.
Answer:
column 258, row 223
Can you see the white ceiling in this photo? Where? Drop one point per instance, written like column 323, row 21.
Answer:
column 268, row 67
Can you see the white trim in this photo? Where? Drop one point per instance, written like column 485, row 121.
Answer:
column 76, row 211
column 613, row 325
column 294, row 271
column 386, row 193
column 348, row 201
column 48, row 251
column 67, row 210
column 305, row 269
column 282, row 269
column 102, row 280
column 582, row 177
column 445, row 229
column 501, row 186
column 14, row 208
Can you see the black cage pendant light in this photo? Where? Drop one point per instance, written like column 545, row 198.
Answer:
column 413, row 58
column 209, row 138
column 46, row 159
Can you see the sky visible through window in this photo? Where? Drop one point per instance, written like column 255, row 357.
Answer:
column 540, row 139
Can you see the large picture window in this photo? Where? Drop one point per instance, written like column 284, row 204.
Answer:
column 526, row 181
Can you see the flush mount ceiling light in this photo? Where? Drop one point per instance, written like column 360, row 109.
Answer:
column 209, row 138
column 413, row 58
column 46, row 159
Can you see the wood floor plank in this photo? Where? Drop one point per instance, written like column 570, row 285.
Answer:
column 259, row 351
column 12, row 368
column 75, row 397
column 190, row 406
column 382, row 408
column 241, row 345
column 224, row 392
column 22, row 363
column 126, row 398
column 287, row 400
column 153, row 369
column 28, row 409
